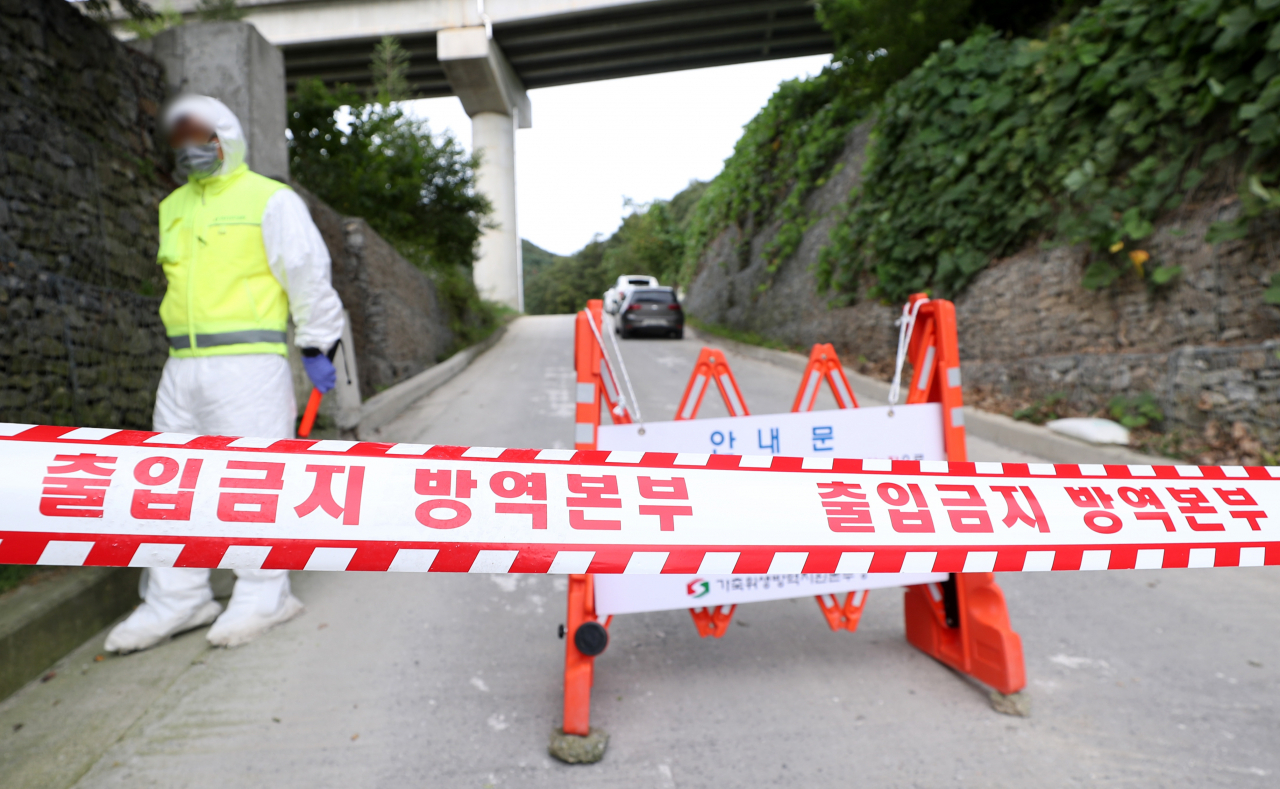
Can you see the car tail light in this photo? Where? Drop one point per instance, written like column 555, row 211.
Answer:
column 673, row 306
column 633, row 307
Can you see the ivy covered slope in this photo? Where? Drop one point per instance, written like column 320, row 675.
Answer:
column 784, row 153
column 1086, row 136
column 790, row 148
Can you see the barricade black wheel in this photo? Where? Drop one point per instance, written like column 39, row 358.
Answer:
column 591, row 638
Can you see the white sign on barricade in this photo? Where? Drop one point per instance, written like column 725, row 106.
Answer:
column 910, row 432
column 905, row 432
column 632, row 594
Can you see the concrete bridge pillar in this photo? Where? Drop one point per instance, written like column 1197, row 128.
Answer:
column 232, row 62
column 498, row 270
column 497, row 103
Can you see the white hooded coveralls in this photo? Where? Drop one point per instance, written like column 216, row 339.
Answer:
column 238, row 395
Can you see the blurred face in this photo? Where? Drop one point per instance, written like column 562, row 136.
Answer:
column 189, row 131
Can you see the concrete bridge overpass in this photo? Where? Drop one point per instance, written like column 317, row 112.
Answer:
column 489, row 52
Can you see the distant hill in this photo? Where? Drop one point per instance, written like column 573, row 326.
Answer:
column 535, row 258
column 649, row 241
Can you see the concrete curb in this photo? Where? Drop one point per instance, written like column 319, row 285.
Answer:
column 41, row 623
column 391, row 403
column 997, row 428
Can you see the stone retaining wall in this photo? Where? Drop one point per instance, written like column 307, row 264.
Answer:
column 1222, row 404
column 397, row 322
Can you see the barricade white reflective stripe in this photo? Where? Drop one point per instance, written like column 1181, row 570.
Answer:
column 171, row 438
column 838, row 382
column 927, row 371
column 811, row 384
column 120, row 498
column 731, row 393
column 691, row 403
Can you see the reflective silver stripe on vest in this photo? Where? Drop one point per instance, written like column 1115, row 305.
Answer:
column 183, row 341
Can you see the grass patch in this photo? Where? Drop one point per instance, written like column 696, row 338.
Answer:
column 744, row 337
column 1045, row 409
column 13, row 575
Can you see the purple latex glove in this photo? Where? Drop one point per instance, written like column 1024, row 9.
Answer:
column 320, row 371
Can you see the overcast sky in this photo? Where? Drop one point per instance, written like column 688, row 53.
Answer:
column 594, row 144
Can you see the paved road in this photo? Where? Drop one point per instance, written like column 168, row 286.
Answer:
column 1165, row 678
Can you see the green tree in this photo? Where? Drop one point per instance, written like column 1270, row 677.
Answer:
column 134, row 9
column 878, row 42
column 416, row 189
column 219, row 11
column 390, row 69
column 565, row 285
column 535, row 259
column 146, row 27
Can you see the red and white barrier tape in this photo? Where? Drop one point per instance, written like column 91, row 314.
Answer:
column 89, row 496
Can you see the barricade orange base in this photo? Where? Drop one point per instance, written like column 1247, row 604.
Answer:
column 964, row 623
column 579, row 666
column 712, row 621
column 843, row 617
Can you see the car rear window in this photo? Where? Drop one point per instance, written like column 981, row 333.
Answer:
column 637, row 282
column 654, row 297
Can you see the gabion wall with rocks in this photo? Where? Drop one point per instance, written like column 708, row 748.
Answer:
column 1221, row 404
column 81, row 175
column 398, row 325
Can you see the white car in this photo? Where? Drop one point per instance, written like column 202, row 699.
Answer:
column 613, row 297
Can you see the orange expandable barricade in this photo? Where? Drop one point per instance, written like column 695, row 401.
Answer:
column 962, row 622
column 934, row 351
column 823, row 364
column 595, row 380
column 711, row 367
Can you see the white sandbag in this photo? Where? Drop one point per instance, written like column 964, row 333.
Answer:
column 1092, row 429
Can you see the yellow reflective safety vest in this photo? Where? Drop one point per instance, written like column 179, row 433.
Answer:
column 222, row 298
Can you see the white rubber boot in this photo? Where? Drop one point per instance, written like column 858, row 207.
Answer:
column 176, row 600
column 260, row 601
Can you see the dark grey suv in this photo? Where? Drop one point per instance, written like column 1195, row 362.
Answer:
column 651, row 311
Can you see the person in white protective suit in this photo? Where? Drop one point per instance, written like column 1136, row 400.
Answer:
column 241, row 254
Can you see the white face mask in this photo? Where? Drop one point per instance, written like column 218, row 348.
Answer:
column 197, row 161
